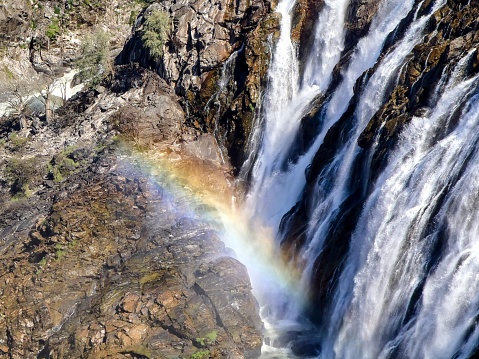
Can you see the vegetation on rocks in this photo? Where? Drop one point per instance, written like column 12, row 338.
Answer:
column 53, row 29
column 66, row 163
column 16, row 141
column 20, row 173
column 155, row 33
column 201, row 354
column 208, row 339
column 94, row 62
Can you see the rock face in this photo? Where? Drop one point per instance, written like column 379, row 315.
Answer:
column 115, row 253
column 13, row 19
column 157, row 107
column 111, row 271
column 40, row 40
column 203, row 35
column 305, row 14
column 359, row 18
column 230, row 102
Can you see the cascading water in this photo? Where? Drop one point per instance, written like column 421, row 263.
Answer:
column 400, row 208
column 221, row 95
column 284, row 110
column 336, row 176
column 406, row 287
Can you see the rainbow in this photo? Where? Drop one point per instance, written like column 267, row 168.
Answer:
column 205, row 182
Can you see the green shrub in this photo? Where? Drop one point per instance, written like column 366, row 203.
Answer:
column 94, row 62
column 67, row 162
column 144, row 2
column 155, row 33
column 20, row 173
column 132, row 18
column 17, row 141
column 201, row 354
column 59, row 252
column 208, row 339
column 8, row 73
column 212, row 336
column 53, row 30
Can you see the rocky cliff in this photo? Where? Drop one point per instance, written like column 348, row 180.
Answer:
column 109, row 248
column 219, row 95
column 109, row 238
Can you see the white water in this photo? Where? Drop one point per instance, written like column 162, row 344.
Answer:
column 328, row 45
column 389, row 249
column 284, row 110
column 267, row 201
column 390, row 257
column 286, row 103
column 338, row 173
column 60, row 87
column 274, row 191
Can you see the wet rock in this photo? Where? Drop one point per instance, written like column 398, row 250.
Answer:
column 457, row 34
column 306, row 347
column 305, row 14
column 360, row 14
column 147, row 300
column 106, row 261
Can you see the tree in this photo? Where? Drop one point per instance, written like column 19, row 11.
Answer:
column 95, row 62
column 155, row 33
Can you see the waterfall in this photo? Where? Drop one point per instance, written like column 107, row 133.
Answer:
column 406, row 285
column 328, row 45
column 285, row 104
column 400, row 208
column 226, row 85
column 336, row 175
column 282, row 115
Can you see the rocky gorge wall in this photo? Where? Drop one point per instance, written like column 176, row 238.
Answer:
column 204, row 35
column 109, row 244
column 112, row 251
column 109, row 239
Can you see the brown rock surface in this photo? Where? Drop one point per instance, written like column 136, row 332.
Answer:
column 203, row 36
column 121, row 257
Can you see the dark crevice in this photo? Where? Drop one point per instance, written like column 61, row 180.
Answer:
column 200, row 291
